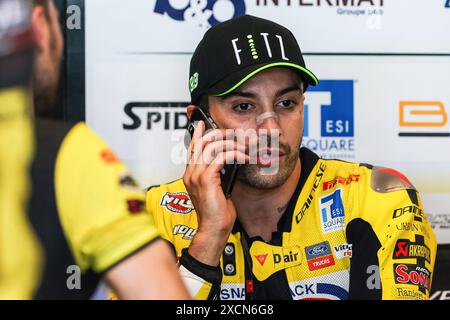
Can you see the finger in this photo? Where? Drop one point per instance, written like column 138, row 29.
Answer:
column 224, row 158
column 213, row 149
column 196, row 138
column 209, row 137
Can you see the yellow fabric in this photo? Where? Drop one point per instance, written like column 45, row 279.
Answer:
column 20, row 253
column 329, row 178
column 94, row 194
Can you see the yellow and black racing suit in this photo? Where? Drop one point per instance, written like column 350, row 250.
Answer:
column 351, row 231
column 86, row 210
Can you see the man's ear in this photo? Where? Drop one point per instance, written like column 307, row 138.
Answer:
column 39, row 24
column 190, row 109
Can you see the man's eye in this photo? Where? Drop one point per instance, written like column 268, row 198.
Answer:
column 242, row 107
column 286, row 104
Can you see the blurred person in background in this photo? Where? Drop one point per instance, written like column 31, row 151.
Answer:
column 86, row 210
column 20, row 253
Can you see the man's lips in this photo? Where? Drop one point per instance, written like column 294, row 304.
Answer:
column 268, row 157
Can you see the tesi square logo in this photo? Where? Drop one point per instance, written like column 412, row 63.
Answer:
column 178, row 202
column 329, row 119
column 332, row 214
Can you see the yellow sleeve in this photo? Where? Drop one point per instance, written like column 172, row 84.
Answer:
column 405, row 243
column 101, row 209
column 20, row 251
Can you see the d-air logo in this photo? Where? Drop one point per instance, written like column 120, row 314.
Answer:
column 261, row 258
column 289, row 257
column 187, row 232
column 423, row 119
column 178, row 202
column 268, row 259
column 332, row 212
column 319, row 256
column 329, row 119
column 203, row 13
column 405, row 249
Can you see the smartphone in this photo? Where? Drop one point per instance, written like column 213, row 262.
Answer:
column 229, row 173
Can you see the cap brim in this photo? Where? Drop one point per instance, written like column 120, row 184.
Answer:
column 235, row 80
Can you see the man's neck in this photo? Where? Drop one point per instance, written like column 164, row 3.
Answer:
column 260, row 210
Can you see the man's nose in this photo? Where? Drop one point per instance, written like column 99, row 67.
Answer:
column 269, row 121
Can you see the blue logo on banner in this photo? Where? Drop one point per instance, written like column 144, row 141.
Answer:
column 447, row 4
column 336, row 108
column 199, row 11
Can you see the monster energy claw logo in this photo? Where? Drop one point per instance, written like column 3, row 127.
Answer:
column 193, row 82
column 203, row 13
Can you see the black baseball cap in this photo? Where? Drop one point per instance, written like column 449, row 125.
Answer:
column 232, row 52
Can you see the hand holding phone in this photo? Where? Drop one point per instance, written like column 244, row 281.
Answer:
column 229, row 173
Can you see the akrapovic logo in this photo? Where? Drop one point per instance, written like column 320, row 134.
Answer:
column 203, row 13
column 155, row 116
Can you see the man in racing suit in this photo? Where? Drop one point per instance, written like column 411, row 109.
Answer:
column 86, row 219
column 314, row 229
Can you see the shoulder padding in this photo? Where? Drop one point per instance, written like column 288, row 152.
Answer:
column 388, row 180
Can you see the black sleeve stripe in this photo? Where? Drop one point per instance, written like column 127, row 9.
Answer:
column 365, row 247
column 366, row 165
column 413, row 196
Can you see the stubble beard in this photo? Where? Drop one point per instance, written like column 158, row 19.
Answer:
column 254, row 176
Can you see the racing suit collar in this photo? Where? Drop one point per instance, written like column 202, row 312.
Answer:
column 308, row 160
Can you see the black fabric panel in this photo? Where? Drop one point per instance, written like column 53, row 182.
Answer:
column 440, row 289
column 45, row 220
column 365, row 248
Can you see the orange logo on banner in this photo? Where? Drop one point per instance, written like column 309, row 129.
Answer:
column 422, row 114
